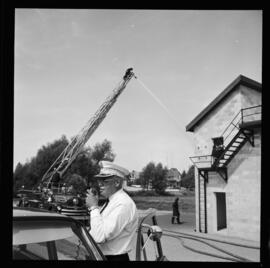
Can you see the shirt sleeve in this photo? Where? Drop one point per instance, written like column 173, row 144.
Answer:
column 109, row 227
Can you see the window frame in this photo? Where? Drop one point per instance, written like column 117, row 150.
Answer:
column 94, row 252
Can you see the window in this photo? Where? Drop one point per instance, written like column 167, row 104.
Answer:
column 48, row 241
column 71, row 249
column 35, row 251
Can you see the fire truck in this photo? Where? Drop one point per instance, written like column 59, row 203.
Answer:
column 74, row 206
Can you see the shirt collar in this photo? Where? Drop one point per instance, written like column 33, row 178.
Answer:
column 115, row 194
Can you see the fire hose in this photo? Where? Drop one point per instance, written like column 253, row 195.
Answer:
column 236, row 258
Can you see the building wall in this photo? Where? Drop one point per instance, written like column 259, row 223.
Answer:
column 249, row 97
column 215, row 123
column 243, row 186
column 244, row 190
column 242, row 193
column 212, row 126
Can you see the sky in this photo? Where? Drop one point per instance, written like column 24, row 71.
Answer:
column 67, row 62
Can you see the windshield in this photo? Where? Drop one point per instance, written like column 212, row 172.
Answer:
column 49, row 240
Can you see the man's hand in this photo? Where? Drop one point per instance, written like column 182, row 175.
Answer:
column 91, row 199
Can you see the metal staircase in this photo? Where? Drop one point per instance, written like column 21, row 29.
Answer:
column 236, row 135
column 229, row 143
column 233, row 148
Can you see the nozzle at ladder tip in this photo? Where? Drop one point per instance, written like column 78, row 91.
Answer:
column 128, row 73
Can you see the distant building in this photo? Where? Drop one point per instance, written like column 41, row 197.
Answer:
column 173, row 178
column 134, row 175
column 227, row 137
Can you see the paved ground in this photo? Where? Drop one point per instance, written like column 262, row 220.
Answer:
column 174, row 250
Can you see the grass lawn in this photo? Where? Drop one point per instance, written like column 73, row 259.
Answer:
column 186, row 201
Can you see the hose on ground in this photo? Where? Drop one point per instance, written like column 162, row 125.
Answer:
column 212, row 239
column 235, row 258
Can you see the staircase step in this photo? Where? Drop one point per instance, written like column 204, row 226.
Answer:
column 232, row 148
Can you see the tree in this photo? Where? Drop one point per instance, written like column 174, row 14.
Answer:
column 188, row 179
column 17, row 177
column 82, row 165
column 183, row 174
column 159, row 182
column 21, row 175
column 147, row 175
column 78, row 183
column 154, row 175
column 138, row 181
column 45, row 157
column 103, row 151
column 85, row 164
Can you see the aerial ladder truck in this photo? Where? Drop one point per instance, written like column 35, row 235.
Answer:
column 69, row 154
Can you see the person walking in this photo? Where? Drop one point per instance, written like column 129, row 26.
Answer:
column 114, row 225
column 176, row 213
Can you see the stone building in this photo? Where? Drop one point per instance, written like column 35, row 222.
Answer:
column 227, row 160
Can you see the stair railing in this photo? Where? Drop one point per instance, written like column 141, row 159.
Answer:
column 255, row 110
column 232, row 128
column 242, row 116
column 207, row 161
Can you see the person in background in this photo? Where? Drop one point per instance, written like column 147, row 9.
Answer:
column 176, row 213
column 114, row 225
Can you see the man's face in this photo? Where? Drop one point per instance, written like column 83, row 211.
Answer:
column 108, row 186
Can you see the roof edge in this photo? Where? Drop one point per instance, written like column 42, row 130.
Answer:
column 240, row 80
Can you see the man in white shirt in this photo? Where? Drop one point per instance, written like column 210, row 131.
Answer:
column 114, row 225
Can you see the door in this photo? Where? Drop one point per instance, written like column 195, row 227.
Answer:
column 221, row 211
